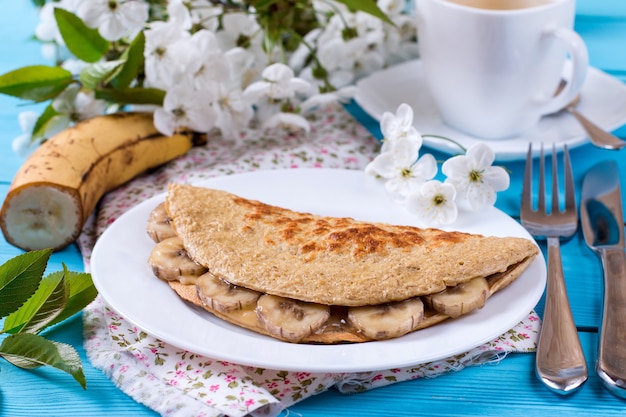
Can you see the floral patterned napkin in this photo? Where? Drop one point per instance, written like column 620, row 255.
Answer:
column 175, row 382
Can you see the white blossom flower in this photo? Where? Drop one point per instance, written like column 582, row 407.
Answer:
column 279, row 82
column 288, row 121
column 360, row 53
column 47, row 29
column 242, row 66
column 167, row 53
column 74, row 105
column 434, row 203
column 211, row 64
column 186, row 108
column 178, row 14
column 204, row 14
column 114, row 19
column 232, row 112
column 399, row 44
column 342, row 95
column 303, row 52
column 339, row 79
column 239, row 29
column 24, row 145
column 399, row 125
column 353, row 55
column 75, row 66
column 403, row 171
column 474, row 177
column 221, row 58
column 391, row 7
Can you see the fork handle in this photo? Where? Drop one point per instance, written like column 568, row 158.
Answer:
column 561, row 364
column 611, row 362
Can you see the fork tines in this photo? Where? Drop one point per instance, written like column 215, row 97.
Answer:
column 531, row 216
column 527, row 188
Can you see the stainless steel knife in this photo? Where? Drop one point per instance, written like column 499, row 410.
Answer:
column 603, row 226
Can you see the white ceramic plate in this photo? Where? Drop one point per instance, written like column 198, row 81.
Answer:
column 121, row 274
column 603, row 101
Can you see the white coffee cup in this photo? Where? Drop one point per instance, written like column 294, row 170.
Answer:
column 493, row 66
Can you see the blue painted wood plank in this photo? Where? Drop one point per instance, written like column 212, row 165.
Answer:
column 17, row 49
column 508, row 388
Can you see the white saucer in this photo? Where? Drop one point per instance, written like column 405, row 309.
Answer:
column 603, row 100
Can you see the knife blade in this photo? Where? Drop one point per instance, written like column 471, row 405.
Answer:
column 603, row 227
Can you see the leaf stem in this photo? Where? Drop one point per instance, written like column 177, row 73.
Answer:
column 463, row 148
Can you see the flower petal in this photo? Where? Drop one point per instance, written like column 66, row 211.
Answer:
column 383, row 165
column 434, row 203
column 481, row 155
column 497, row 177
column 404, row 116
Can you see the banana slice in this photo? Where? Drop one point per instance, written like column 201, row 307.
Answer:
column 159, row 227
column 459, row 300
column 223, row 296
column 386, row 321
column 170, row 262
column 290, row 319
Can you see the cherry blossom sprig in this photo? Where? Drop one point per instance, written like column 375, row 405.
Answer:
column 207, row 65
column 471, row 183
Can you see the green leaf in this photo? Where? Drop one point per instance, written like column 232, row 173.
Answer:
column 134, row 62
column 82, row 292
column 31, row 351
column 367, row 6
column 101, row 72
column 43, row 307
column 20, row 277
column 132, row 95
column 36, row 82
column 82, row 41
column 41, row 124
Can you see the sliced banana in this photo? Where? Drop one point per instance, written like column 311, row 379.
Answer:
column 223, row 296
column 290, row 319
column 159, row 227
column 386, row 321
column 170, row 262
column 459, row 300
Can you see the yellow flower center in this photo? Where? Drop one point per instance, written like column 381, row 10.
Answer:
column 475, row 176
column 439, row 199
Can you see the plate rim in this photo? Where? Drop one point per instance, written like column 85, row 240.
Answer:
column 306, row 366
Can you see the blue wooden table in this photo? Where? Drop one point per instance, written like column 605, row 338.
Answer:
column 507, row 388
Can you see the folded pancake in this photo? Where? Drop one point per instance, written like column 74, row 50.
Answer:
column 342, row 275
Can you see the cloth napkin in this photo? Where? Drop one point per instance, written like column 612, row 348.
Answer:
column 175, row 382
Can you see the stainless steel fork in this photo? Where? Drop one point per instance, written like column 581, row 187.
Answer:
column 561, row 364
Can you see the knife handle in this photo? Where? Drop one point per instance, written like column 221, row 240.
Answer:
column 611, row 362
column 560, row 362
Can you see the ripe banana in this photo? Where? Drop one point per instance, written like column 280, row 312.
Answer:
column 57, row 188
column 290, row 319
column 170, row 262
column 386, row 321
column 223, row 296
column 462, row 299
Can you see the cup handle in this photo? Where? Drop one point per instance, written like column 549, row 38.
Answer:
column 579, row 58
